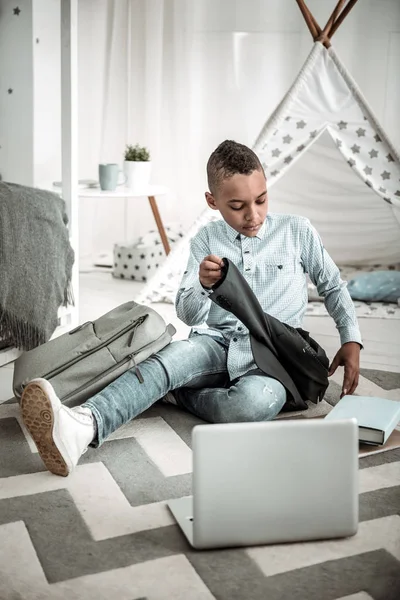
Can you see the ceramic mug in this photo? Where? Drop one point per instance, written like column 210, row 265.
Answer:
column 108, row 176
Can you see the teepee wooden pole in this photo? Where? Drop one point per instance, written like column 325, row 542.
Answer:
column 342, row 16
column 317, row 27
column 332, row 18
column 313, row 26
column 309, row 19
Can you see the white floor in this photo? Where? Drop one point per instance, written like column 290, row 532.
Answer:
column 100, row 292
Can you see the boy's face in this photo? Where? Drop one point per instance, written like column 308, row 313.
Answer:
column 242, row 201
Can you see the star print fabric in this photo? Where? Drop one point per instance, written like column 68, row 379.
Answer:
column 324, row 97
column 140, row 260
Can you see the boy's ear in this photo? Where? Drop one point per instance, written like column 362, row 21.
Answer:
column 211, row 201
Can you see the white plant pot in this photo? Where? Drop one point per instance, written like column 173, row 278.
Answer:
column 137, row 174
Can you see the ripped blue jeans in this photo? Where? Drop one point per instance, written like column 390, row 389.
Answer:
column 196, row 371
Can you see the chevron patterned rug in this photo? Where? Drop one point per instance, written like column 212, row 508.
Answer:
column 105, row 532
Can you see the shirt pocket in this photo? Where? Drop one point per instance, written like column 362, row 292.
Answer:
column 283, row 266
column 283, row 272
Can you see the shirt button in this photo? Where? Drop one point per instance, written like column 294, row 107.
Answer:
column 248, row 269
column 240, row 328
column 247, row 251
column 203, row 293
column 234, row 340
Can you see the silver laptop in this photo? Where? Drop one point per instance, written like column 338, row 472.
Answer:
column 271, row 482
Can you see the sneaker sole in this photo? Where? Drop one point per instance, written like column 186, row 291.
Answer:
column 38, row 417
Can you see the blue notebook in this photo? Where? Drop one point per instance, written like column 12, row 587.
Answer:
column 376, row 417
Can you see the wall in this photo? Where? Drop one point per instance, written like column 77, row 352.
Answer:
column 16, row 92
column 30, row 126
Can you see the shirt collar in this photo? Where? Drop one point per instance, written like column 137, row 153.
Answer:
column 233, row 234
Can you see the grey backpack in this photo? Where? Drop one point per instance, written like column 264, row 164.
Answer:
column 81, row 362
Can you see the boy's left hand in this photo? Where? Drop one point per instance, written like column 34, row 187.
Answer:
column 349, row 358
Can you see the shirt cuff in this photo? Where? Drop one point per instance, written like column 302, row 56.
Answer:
column 350, row 334
column 198, row 291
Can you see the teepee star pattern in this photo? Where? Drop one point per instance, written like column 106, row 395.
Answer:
column 354, row 133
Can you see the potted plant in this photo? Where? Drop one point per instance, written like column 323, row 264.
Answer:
column 137, row 167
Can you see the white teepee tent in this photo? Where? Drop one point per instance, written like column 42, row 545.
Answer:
column 327, row 158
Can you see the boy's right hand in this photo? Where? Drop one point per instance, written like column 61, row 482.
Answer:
column 210, row 270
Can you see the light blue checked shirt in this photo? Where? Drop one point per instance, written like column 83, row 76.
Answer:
column 275, row 264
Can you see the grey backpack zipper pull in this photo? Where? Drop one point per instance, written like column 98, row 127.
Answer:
column 137, row 371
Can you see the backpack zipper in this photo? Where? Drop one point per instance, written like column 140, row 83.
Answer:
column 72, row 362
column 113, row 368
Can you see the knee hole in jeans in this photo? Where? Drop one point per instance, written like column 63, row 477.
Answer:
column 250, row 404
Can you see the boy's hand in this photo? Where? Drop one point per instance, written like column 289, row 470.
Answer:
column 349, row 358
column 210, row 270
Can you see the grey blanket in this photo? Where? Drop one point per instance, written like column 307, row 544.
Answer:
column 36, row 261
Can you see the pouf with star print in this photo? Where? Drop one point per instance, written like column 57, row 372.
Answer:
column 139, row 261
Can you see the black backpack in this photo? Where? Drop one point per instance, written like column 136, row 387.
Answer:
column 287, row 354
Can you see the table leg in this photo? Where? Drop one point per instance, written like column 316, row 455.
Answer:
column 159, row 224
column 126, row 220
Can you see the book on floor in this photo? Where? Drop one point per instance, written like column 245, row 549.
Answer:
column 392, row 443
column 376, row 417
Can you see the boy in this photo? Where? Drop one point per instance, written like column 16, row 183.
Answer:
column 209, row 372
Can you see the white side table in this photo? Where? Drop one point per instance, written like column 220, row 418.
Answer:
column 122, row 192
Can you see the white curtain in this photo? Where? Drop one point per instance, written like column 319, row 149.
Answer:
column 176, row 80
column 141, row 81
column 156, row 94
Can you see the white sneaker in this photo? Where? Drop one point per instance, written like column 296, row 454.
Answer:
column 61, row 434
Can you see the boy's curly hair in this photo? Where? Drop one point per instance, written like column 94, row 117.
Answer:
column 227, row 160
